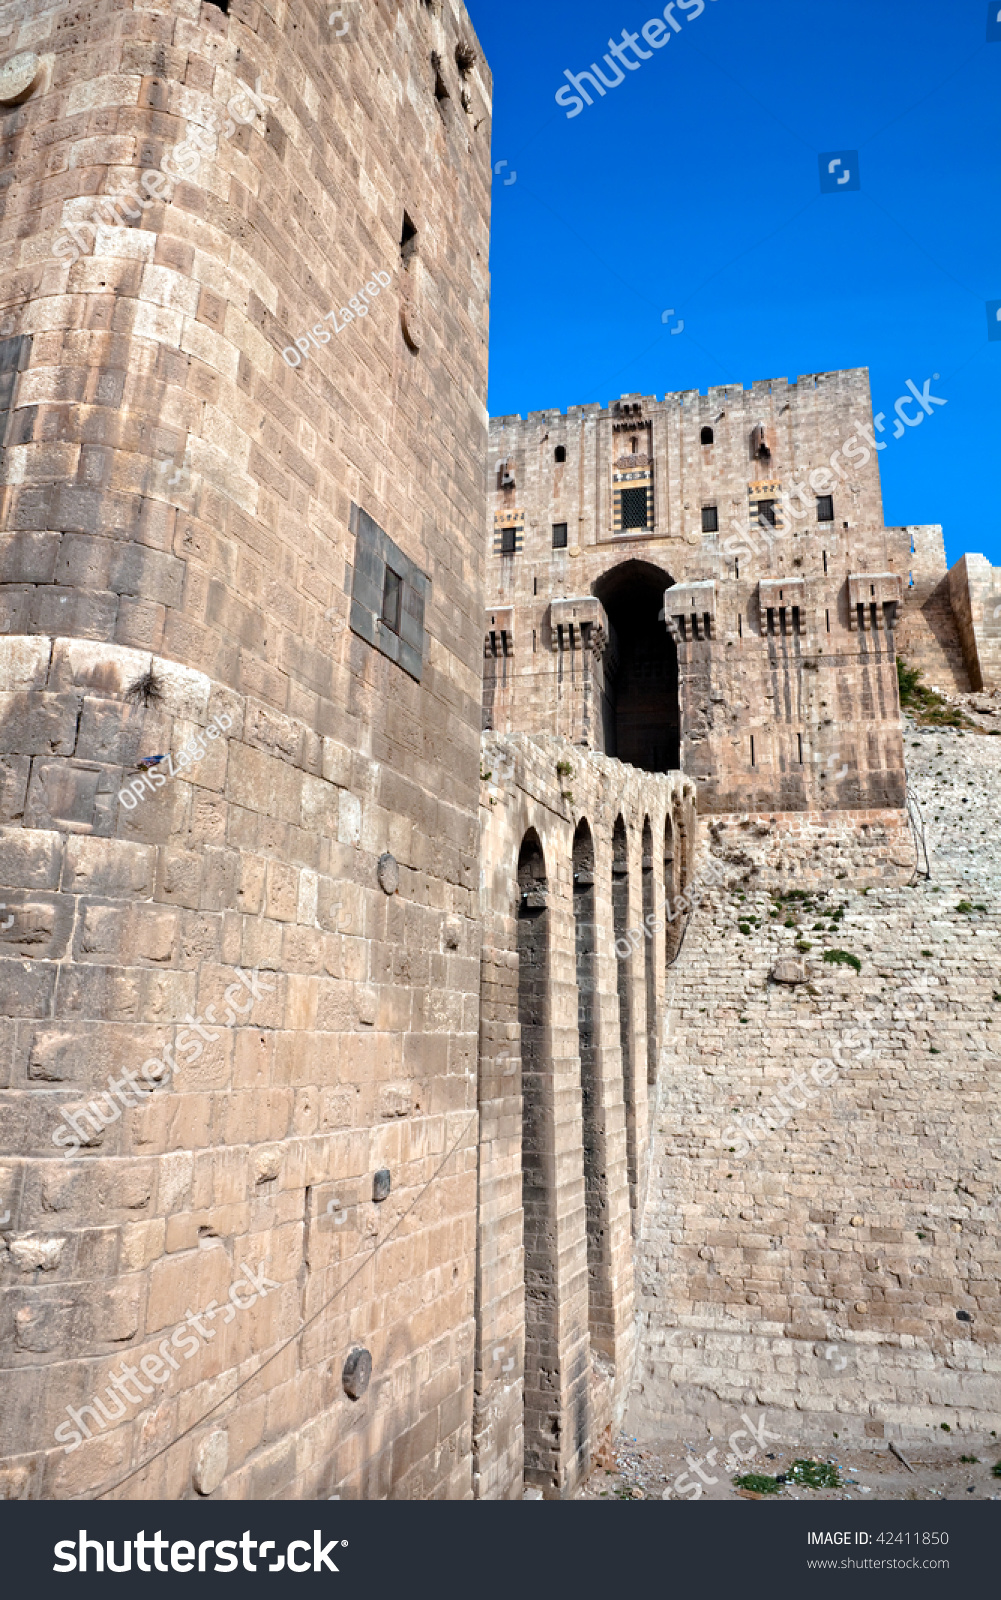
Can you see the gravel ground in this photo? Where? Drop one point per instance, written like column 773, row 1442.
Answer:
column 649, row 1472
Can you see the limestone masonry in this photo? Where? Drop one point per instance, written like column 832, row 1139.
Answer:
column 420, row 835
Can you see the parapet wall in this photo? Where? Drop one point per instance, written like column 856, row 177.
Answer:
column 927, row 635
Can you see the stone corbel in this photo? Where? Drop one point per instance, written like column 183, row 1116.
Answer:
column 578, row 625
column 874, row 599
column 500, row 631
column 690, row 611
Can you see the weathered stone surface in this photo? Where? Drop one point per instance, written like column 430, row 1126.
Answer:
column 211, row 1461
column 18, row 77
column 788, row 971
column 310, row 947
column 179, row 502
column 833, row 1133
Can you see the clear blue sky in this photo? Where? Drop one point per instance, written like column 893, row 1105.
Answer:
column 695, row 185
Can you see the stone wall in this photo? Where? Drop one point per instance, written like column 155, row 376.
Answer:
column 821, row 1237
column 563, row 1093
column 975, row 594
column 927, row 635
column 180, row 519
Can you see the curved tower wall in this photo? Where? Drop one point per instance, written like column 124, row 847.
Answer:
column 194, row 528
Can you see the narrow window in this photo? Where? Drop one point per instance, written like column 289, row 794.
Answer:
column 752, row 749
column 535, row 585
column 634, row 446
column 392, row 600
column 736, row 566
column 710, row 519
column 799, row 736
column 561, row 452
column 559, row 535
column 634, row 508
column 825, row 508
column 596, row 1164
column 740, row 626
column 825, row 560
column 827, row 614
column 707, row 436
column 507, row 541
column 533, row 641
column 408, row 240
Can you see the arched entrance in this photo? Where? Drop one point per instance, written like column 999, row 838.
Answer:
column 640, row 708
column 538, row 1169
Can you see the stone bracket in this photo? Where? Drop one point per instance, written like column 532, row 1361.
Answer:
column 875, row 596
column 690, row 611
column 500, row 631
column 578, row 625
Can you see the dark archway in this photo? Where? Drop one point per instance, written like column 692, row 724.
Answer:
column 601, row 1321
column 621, row 925
column 538, row 1169
column 649, row 968
column 640, row 708
column 673, row 920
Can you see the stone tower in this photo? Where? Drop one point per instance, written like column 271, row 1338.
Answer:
column 243, row 349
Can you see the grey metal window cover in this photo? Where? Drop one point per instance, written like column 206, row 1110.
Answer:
column 374, row 552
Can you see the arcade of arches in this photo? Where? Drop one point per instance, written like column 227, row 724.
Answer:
column 572, row 997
